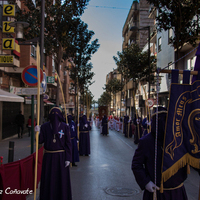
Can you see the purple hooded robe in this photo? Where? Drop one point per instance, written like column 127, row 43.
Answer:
column 84, row 140
column 55, row 177
column 143, row 165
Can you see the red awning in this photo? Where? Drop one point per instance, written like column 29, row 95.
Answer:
column 48, row 102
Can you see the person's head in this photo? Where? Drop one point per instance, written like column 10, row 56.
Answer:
column 20, row 112
column 55, row 117
column 162, row 115
column 69, row 118
column 30, row 117
column 84, row 119
column 56, row 114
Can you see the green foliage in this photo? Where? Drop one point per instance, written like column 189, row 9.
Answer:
column 180, row 16
column 133, row 64
column 105, row 99
column 82, row 50
column 60, row 22
column 114, row 86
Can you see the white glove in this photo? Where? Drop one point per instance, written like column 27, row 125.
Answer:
column 149, row 123
column 77, row 124
column 86, row 125
column 67, row 163
column 151, row 187
column 37, row 128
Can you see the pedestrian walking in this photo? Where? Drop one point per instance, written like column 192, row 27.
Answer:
column 143, row 165
column 19, row 120
column 84, row 140
column 29, row 123
column 74, row 140
column 55, row 177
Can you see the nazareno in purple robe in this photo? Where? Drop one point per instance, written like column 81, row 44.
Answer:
column 74, row 139
column 84, row 136
column 104, row 125
column 143, row 168
column 55, row 177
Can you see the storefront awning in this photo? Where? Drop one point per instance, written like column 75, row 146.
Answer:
column 9, row 97
column 48, row 102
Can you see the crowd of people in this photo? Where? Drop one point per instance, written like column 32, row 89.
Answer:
column 63, row 145
column 131, row 128
column 143, row 132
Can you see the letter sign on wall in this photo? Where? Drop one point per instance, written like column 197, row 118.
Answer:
column 7, row 28
column 8, row 10
column 8, row 43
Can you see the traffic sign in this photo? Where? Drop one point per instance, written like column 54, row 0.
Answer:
column 149, row 102
column 29, row 75
column 50, row 79
column 44, row 83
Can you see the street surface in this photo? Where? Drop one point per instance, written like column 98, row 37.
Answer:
column 106, row 173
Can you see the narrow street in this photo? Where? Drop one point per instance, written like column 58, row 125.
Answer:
column 106, row 173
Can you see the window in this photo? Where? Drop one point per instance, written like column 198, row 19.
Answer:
column 33, row 51
column 53, row 64
column 170, row 36
column 169, row 67
column 159, row 43
column 191, row 63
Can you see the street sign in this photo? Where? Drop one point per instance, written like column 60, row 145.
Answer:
column 29, row 75
column 50, row 79
column 44, row 83
column 149, row 102
column 6, row 59
column 30, row 91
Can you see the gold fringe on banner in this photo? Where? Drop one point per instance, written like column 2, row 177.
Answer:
column 186, row 159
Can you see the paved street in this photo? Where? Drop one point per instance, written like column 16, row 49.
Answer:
column 105, row 174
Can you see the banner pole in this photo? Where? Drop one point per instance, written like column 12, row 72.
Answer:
column 38, row 118
column 63, row 99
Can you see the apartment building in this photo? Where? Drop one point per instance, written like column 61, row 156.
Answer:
column 12, row 99
column 137, row 28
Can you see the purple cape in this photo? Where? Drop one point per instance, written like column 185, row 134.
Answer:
column 55, row 177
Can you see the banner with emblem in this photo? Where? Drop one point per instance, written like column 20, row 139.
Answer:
column 182, row 135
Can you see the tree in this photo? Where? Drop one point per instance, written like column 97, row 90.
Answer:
column 133, row 64
column 82, row 50
column 60, row 25
column 182, row 17
column 105, row 99
column 114, row 86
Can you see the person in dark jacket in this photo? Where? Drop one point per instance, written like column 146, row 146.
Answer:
column 19, row 120
column 143, row 165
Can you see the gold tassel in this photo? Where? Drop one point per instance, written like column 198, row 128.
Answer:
column 188, row 169
column 161, row 187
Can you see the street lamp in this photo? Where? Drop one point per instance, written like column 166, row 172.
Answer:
column 135, row 28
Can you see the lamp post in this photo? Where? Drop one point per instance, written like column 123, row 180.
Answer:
column 19, row 26
column 135, row 28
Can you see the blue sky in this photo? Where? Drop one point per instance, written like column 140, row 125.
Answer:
column 106, row 18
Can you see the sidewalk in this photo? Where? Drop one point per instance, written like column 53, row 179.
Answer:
column 22, row 149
